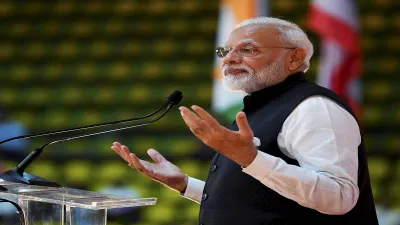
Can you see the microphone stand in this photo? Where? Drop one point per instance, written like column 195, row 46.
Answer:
column 18, row 175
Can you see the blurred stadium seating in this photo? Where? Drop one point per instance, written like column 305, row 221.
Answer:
column 72, row 63
column 69, row 63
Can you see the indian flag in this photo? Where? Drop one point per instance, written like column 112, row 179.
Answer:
column 224, row 102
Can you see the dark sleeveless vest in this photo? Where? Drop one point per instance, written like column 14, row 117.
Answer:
column 231, row 197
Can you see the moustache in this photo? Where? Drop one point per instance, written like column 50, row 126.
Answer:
column 226, row 68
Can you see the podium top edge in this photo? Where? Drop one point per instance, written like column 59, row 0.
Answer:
column 71, row 197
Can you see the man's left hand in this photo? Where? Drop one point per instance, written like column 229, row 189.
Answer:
column 236, row 145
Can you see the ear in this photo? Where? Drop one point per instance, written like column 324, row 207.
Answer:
column 296, row 59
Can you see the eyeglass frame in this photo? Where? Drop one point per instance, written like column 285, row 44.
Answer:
column 220, row 55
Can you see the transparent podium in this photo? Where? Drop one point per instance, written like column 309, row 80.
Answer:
column 66, row 206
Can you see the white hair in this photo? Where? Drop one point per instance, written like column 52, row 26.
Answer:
column 291, row 34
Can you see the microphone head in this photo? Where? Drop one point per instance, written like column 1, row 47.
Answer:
column 175, row 97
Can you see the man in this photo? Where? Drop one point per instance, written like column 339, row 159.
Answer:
column 297, row 157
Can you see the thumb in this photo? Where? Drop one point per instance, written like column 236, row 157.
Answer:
column 243, row 124
column 156, row 156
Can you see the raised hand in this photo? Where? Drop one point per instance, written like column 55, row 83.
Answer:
column 236, row 145
column 161, row 170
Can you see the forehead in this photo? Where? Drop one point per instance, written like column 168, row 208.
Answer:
column 253, row 34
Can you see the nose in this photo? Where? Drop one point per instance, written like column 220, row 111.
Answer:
column 232, row 57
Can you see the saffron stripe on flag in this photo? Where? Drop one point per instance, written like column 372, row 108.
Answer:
column 224, row 102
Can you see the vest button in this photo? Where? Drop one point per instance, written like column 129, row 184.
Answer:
column 213, row 168
column 204, row 197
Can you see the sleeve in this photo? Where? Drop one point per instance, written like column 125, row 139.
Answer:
column 324, row 138
column 194, row 189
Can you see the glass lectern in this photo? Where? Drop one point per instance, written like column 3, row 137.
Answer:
column 66, row 206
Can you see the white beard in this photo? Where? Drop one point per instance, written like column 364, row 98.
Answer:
column 252, row 81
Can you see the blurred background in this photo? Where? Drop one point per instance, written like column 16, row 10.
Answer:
column 73, row 63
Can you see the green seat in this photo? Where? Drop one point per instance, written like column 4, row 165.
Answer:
column 19, row 29
column 46, row 169
column 162, row 47
column 8, row 96
column 394, row 43
column 53, row 71
column 379, row 90
column 7, row 50
column 378, row 168
column 373, row 22
column 157, row 7
column 372, row 115
column 7, row 8
column 191, row 213
column 64, row 8
column 191, row 6
column 120, row 71
column 160, row 213
column 393, row 144
column 285, row 6
column 185, row 146
column 140, row 93
column 51, row 28
column 100, row 49
column 57, row 119
column 112, row 171
column 207, row 26
column 169, row 196
column 126, row 8
column 177, row 26
column 77, row 172
column 190, row 167
column 21, row 72
column 35, row 50
column 394, row 194
column 67, row 49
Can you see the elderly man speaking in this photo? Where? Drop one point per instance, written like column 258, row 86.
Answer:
column 294, row 155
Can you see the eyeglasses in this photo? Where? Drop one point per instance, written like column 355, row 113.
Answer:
column 244, row 51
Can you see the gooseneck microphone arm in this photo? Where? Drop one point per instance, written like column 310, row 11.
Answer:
column 35, row 153
column 19, row 176
column 85, row 127
column 173, row 98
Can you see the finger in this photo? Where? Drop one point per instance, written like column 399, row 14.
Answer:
column 146, row 169
column 207, row 118
column 125, row 152
column 135, row 162
column 243, row 124
column 117, row 145
column 195, row 124
column 156, row 156
column 189, row 114
column 117, row 150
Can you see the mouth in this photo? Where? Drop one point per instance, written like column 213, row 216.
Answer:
column 235, row 71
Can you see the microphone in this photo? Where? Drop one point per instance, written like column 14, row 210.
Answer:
column 173, row 99
column 18, row 175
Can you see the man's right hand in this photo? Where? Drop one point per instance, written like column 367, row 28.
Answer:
column 161, row 170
